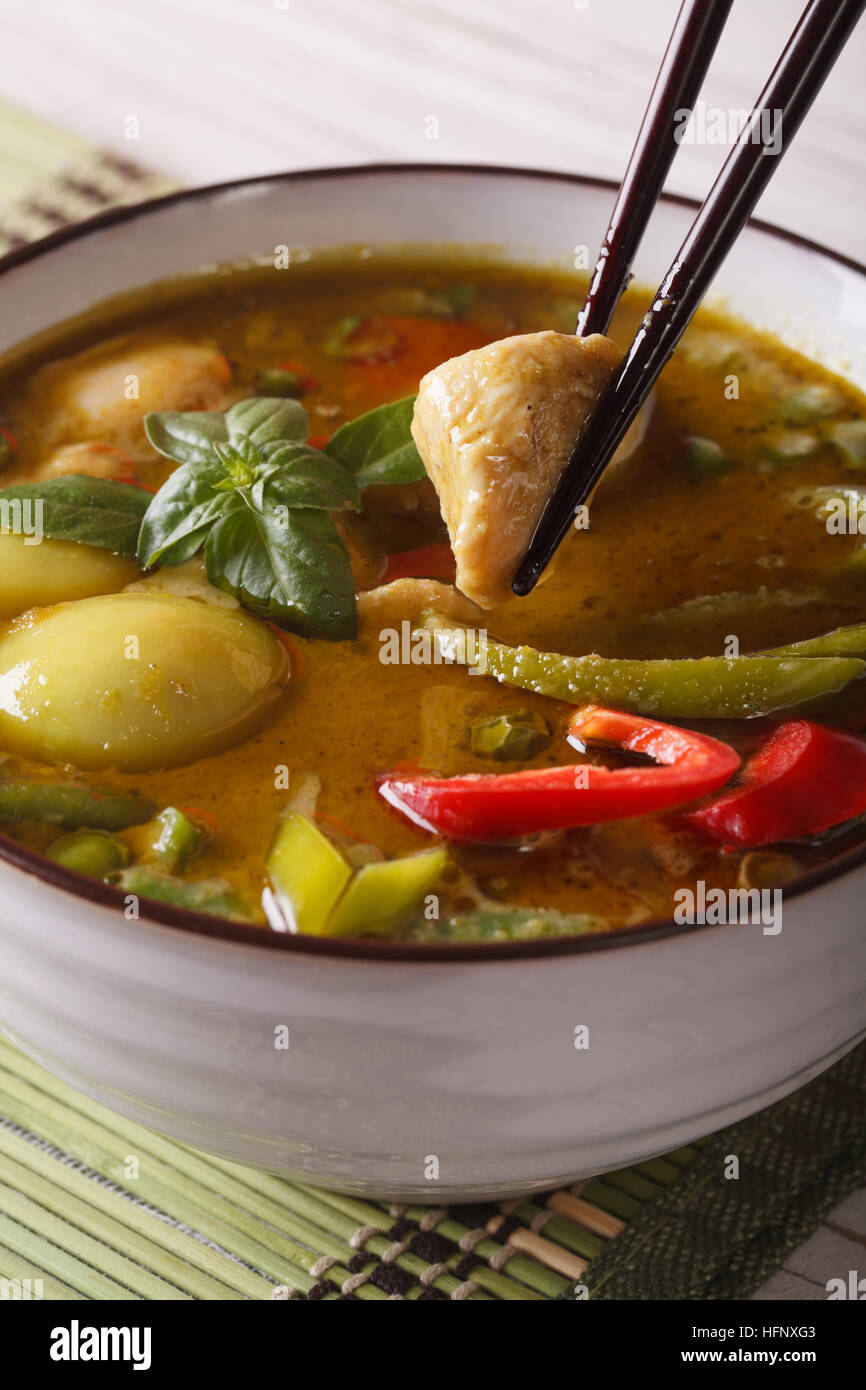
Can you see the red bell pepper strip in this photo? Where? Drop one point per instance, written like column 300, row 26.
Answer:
column 426, row 562
column 805, row 778
column 489, row 808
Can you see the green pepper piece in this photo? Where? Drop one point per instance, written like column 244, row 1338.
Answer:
column 810, row 403
column 307, row 872
column 703, row 458
column 72, row 806
column 381, row 894
column 842, row 641
column 96, row 853
column 705, row 688
column 279, row 381
column 212, row 895
column 731, row 606
column 848, row 438
column 510, row 737
column 171, row 838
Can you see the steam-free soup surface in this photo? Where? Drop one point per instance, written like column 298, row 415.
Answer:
column 711, row 501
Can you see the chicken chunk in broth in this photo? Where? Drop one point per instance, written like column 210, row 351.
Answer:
column 495, row 429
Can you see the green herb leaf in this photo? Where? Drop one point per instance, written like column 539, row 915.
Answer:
column 378, row 447
column 91, row 511
column 257, row 497
column 287, row 566
column 267, row 420
column 300, row 476
column 180, row 515
column 185, row 437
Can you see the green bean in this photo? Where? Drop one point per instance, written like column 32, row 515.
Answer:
column 510, row 737
column 70, row 805
column 848, row 438
column 212, row 895
column 279, row 381
column 703, row 458
column 96, row 853
column 705, row 688
column 810, row 403
column 790, row 447
column 503, row 924
column 171, row 838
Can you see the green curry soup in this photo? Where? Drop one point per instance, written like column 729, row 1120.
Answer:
column 233, row 672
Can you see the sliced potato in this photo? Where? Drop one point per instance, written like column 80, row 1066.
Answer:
column 55, row 572
column 135, row 681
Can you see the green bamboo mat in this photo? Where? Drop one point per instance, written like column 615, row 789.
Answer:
column 49, row 178
column 96, row 1207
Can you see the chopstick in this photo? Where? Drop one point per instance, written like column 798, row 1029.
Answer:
column 808, row 57
column 692, row 43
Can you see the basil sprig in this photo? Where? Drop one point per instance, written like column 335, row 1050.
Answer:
column 91, row 511
column 378, row 447
column 256, row 497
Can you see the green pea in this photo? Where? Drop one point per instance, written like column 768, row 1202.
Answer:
column 510, row 737
column 95, row 853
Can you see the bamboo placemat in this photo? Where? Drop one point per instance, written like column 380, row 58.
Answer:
column 96, row 1207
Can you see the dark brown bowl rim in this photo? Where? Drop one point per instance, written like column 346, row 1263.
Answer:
column 200, row 923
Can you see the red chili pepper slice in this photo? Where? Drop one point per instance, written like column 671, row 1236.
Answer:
column 489, row 808
column 425, row 562
column 805, row 778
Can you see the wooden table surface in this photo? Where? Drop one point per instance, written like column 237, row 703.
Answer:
column 203, row 90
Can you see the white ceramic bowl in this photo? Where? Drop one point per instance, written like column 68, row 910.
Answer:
column 402, row 1054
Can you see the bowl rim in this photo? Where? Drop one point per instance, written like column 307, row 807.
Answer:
column 352, row 948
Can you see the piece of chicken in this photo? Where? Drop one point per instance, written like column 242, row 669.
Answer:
column 105, row 391
column 495, row 429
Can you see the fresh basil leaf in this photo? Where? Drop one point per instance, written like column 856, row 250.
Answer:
column 378, row 447
column 91, row 511
column 179, row 516
column 289, row 567
column 297, row 475
column 186, row 437
column 267, row 420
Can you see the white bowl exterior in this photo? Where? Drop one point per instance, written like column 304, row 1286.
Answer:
column 392, row 1064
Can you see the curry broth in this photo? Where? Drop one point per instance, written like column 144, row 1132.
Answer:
column 658, row 538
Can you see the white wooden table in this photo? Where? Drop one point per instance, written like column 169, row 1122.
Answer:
column 203, row 90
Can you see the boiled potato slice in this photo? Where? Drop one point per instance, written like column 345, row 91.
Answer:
column 135, row 681
column 56, row 571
